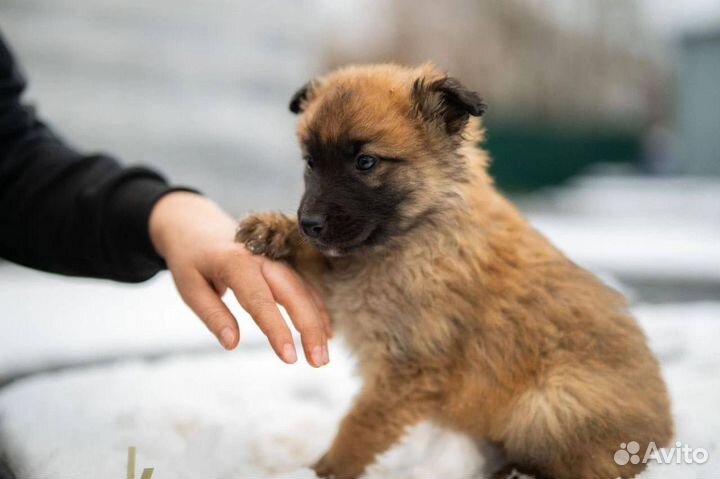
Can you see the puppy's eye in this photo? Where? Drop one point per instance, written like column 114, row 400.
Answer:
column 365, row 162
column 309, row 162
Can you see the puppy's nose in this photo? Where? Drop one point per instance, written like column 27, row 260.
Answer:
column 313, row 225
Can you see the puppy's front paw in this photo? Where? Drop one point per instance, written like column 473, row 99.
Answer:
column 267, row 234
column 328, row 468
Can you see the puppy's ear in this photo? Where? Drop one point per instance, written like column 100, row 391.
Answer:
column 447, row 101
column 301, row 97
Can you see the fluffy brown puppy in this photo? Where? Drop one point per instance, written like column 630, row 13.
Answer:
column 458, row 311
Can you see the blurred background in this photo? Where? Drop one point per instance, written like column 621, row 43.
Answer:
column 604, row 127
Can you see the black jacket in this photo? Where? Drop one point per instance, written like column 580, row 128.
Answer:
column 67, row 212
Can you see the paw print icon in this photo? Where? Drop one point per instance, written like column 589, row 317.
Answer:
column 628, row 453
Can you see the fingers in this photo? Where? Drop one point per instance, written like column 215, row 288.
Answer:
column 219, row 287
column 252, row 292
column 324, row 314
column 290, row 290
column 204, row 301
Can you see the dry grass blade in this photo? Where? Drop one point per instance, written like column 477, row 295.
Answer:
column 131, row 463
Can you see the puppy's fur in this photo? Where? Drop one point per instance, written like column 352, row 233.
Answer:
column 458, row 311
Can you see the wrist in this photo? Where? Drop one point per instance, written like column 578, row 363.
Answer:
column 165, row 216
column 186, row 220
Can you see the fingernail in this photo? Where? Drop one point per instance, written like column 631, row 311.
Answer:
column 326, row 354
column 317, row 356
column 227, row 338
column 288, row 353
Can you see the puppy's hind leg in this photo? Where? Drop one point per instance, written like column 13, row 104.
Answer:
column 567, row 432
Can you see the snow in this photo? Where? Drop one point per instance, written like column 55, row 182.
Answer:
column 636, row 227
column 638, row 247
column 49, row 321
column 245, row 414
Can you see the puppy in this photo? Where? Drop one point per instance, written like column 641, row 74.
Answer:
column 458, row 311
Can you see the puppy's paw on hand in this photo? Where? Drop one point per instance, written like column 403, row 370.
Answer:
column 328, row 469
column 266, row 234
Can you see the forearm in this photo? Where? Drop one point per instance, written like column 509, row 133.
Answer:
column 79, row 215
column 65, row 212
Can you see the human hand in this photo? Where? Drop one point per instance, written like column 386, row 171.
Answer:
column 195, row 237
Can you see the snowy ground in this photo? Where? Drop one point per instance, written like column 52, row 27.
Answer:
column 245, row 415
column 636, row 227
column 49, row 321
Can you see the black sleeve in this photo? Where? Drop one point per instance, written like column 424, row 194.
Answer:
column 66, row 212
